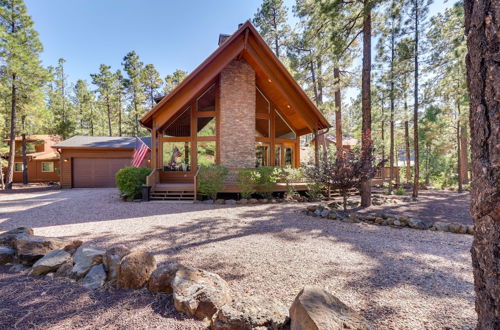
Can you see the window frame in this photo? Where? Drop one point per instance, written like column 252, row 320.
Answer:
column 52, row 167
column 15, row 167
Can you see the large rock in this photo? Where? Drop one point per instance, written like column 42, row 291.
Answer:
column 162, row 277
column 9, row 237
column 84, row 258
column 136, row 269
column 199, row 293
column 31, row 248
column 7, row 255
column 73, row 246
column 440, row 226
column 418, row 224
column 315, row 308
column 95, row 278
column 65, row 270
column 50, row 262
column 250, row 313
column 458, row 228
column 113, row 258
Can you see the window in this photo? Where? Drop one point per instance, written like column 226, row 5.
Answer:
column 206, row 102
column 206, row 153
column 262, row 127
column 206, row 126
column 18, row 167
column 176, row 156
column 277, row 155
column 262, row 154
column 289, row 156
column 282, row 129
column 180, row 126
column 47, row 167
column 262, row 105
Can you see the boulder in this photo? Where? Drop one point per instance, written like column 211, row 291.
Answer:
column 112, row 259
column 50, row 262
column 65, row 270
column 470, row 229
column 250, row 313
column 7, row 255
column 418, row 224
column 199, row 293
column 252, row 201
column 31, row 248
column 73, row 246
column 332, row 215
column 263, row 200
column 378, row 220
column 219, row 201
column 136, row 269
column 208, row 201
column 16, row 268
column 95, row 278
column 311, row 208
column 242, row 201
column 325, row 213
column 231, row 202
column 315, row 308
column 397, row 223
column 84, row 258
column 457, row 228
column 9, row 237
column 440, row 226
column 161, row 279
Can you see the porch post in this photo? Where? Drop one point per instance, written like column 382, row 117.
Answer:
column 154, row 147
column 316, row 148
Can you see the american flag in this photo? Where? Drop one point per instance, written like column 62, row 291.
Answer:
column 140, row 152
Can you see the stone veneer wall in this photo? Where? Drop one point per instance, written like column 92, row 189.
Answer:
column 237, row 115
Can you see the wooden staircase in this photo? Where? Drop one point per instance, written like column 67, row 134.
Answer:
column 173, row 192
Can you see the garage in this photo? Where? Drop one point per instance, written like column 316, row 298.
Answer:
column 97, row 172
column 92, row 161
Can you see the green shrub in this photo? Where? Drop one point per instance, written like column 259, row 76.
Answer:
column 130, row 180
column 290, row 175
column 266, row 180
column 400, row 191
column 247, row 179
column 210, row 180
column 315, row 191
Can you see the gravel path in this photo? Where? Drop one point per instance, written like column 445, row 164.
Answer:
column 397, row 278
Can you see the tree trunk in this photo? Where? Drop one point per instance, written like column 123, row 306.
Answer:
column 338, row 110
column 25, row 160
column 119, row 115
column 366, row 144
column 482, row 23
column 109, row 117
column 12, row 138
column 459, row 162
column 416, row 172
column 408, row 153
column 319, row 76
column 314, row 83
column 464, row 154
column 391, row 128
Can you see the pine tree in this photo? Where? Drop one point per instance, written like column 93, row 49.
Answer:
column 133, row 67
column 59, row 105
column 21, row 68
column 83, row 101
column 271, row 20
column 104, row 82
column 173, row 80
column 119, row 91
column 151, row 82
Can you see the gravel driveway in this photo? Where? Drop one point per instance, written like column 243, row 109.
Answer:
column 397, row 278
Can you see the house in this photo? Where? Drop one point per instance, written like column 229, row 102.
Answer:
column 327, row 139
column 42, row 160
column 240, row 108
column 92, row 161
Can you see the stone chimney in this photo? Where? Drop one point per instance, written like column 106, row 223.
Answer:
column 223, row 38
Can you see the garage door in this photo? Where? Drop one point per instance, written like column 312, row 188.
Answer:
column 96, row 172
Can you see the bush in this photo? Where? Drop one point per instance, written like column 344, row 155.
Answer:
column 266, row 180
column 247, row 179
column 211, row 180
column 130, row 180
column 400, row 191
column 289, row 176
column 315, row 191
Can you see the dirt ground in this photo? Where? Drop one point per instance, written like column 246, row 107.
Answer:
column 397, row 278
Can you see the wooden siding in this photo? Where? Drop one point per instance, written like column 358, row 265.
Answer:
column 35, row 173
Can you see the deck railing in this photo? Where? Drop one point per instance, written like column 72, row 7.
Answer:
column 195, row 187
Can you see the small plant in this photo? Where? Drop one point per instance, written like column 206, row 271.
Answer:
column 289, row 176
column 400, row 191
column 247, row 179
column 315, row 191
column 266, row 180
column 130, row 180
column 211, row 180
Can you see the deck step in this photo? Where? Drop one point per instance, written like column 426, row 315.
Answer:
column 175, row 195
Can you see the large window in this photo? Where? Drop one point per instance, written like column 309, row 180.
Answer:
column 47, row 167
column 206, row 127
column 282, row 129
column 262, row 154
column 176, row 156
column 206, row 153
column 289, row 156
column 180, row 126
column 277, row 155
column 206, row 102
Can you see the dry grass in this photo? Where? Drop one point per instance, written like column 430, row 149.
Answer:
column 397, row 278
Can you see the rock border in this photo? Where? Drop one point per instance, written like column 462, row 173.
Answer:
column 385, row 219
column 195, row 292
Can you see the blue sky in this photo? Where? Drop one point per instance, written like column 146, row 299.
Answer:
column 167, row 33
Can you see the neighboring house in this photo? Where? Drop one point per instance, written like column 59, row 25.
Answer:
column 42, row 160
column 240, row 108
column 330, row 140
column 92, row 161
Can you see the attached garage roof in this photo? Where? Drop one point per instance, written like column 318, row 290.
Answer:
column 101, row 142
